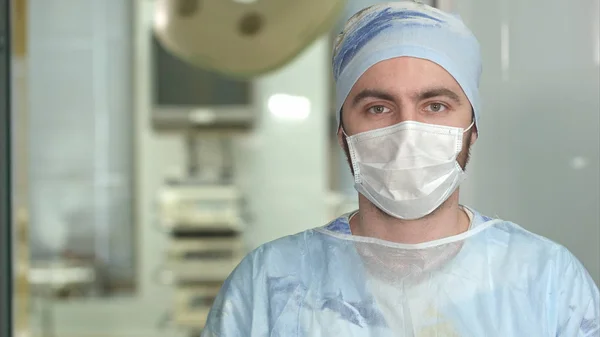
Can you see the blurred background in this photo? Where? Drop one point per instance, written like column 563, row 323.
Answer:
column 152, row 150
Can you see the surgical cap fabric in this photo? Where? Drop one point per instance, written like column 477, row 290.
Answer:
column 405, row 28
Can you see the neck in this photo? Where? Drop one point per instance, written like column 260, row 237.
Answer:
column 447, row 220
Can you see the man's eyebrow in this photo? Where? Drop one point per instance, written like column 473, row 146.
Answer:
column 372, row 93
column 437, row 92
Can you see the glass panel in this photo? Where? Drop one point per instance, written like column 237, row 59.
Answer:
column 80, row 142
column 73, row 228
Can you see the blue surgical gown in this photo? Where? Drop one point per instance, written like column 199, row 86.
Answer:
column 501, row 280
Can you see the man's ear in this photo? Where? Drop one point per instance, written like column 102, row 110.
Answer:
column 340, row 136
column 474, row 135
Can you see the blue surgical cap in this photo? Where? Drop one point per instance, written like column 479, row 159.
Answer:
column 406, row 28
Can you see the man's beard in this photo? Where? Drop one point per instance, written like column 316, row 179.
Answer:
column 463, row 160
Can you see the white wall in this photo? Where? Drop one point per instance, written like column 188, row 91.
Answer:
column 283, row 166
column 537, row 158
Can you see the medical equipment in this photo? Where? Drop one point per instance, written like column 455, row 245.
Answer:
column 242, row 38
column 199, row 205
column 192, row 304
column 204, row 257
column 205, row 229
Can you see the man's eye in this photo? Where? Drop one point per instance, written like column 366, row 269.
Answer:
column 378, row 109
column 436, row 107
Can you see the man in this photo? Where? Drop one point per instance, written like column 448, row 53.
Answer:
column 411, row 261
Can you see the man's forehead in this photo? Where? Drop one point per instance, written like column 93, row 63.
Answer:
column 407, row 62
column 406, row 72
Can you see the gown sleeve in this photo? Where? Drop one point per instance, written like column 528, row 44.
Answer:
column 232, row 311
column 577, row 300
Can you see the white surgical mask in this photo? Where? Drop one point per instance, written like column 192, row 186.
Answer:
column 407, row 169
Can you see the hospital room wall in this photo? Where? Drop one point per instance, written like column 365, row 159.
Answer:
column 536, row 162
column 281, row 167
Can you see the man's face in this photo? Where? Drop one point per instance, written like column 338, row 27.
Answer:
column 407, row 89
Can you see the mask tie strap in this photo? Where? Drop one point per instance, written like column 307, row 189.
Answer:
column 344, row 132
column 467, row 129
